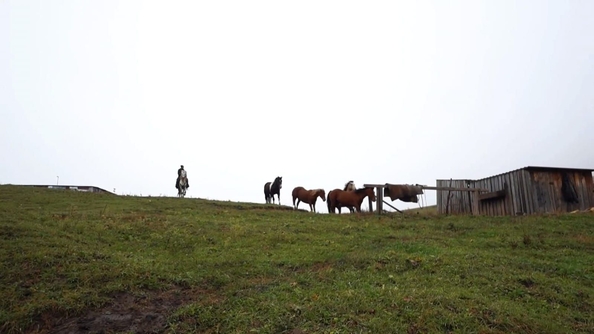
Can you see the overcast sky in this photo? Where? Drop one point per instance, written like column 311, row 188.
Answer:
column 118, row 94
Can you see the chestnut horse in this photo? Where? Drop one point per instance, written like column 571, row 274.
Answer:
column 339, row 198
column 349, row 186
column 308, row 196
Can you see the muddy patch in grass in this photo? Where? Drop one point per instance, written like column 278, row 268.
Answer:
column 144, row 312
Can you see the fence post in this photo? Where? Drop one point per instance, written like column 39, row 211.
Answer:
column 379, row 199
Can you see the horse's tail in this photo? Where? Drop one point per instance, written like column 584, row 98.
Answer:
column 295, row 193
column 266, row 191
column 328, row 202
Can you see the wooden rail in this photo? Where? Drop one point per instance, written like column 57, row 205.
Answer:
column 379, row 194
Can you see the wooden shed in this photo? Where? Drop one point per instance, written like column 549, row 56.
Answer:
column 528, row 190
column 91, row 189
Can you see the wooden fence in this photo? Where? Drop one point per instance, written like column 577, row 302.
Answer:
column 379, row 194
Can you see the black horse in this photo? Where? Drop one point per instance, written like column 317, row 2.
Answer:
column 271, row 190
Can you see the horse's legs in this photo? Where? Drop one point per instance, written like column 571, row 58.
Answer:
column 298, row 201
column 279, row 198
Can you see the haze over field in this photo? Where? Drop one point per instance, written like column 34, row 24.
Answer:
column 119, row 94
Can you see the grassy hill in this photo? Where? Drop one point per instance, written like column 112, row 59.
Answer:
column 430, row 210
column 81, row 262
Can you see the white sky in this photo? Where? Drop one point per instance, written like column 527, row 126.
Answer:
column 118, row 94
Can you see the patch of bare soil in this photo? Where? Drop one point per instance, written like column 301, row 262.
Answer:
column 146, row 313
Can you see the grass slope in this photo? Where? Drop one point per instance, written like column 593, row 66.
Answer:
column 80, row 262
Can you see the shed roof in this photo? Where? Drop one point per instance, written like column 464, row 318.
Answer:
column 535, row 168
column 66, row 186
column 558, row 168
column 542, row 169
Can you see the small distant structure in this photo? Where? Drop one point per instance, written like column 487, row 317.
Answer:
column 90, row 189
column 525, row 191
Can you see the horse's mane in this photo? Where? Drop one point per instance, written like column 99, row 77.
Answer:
column 346, row 185
column 276, row 183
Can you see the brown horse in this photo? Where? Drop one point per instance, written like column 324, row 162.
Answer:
column 349, row 186
column 339, row 198
column 308, row 196
column 329, row 203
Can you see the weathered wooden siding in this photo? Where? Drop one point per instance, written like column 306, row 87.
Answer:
column 527, row 191
column 528, row 185
column 520, row 198
column 460, row 201
column 494, row 206
column 588, row 188
column 548, row 197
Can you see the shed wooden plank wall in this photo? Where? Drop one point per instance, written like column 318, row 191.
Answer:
column 530, row 207
column 460, row 201
column 521, row 187
column 495, row 206
column 548, row 197
column 588, row 188
column 438, row 198
column 529, row 191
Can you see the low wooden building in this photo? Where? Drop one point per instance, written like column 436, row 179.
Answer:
column 528, row 190
column 91, row 189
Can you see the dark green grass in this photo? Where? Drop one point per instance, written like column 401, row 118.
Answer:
column 266, row 269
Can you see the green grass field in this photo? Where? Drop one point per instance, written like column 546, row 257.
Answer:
column 82, row 263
